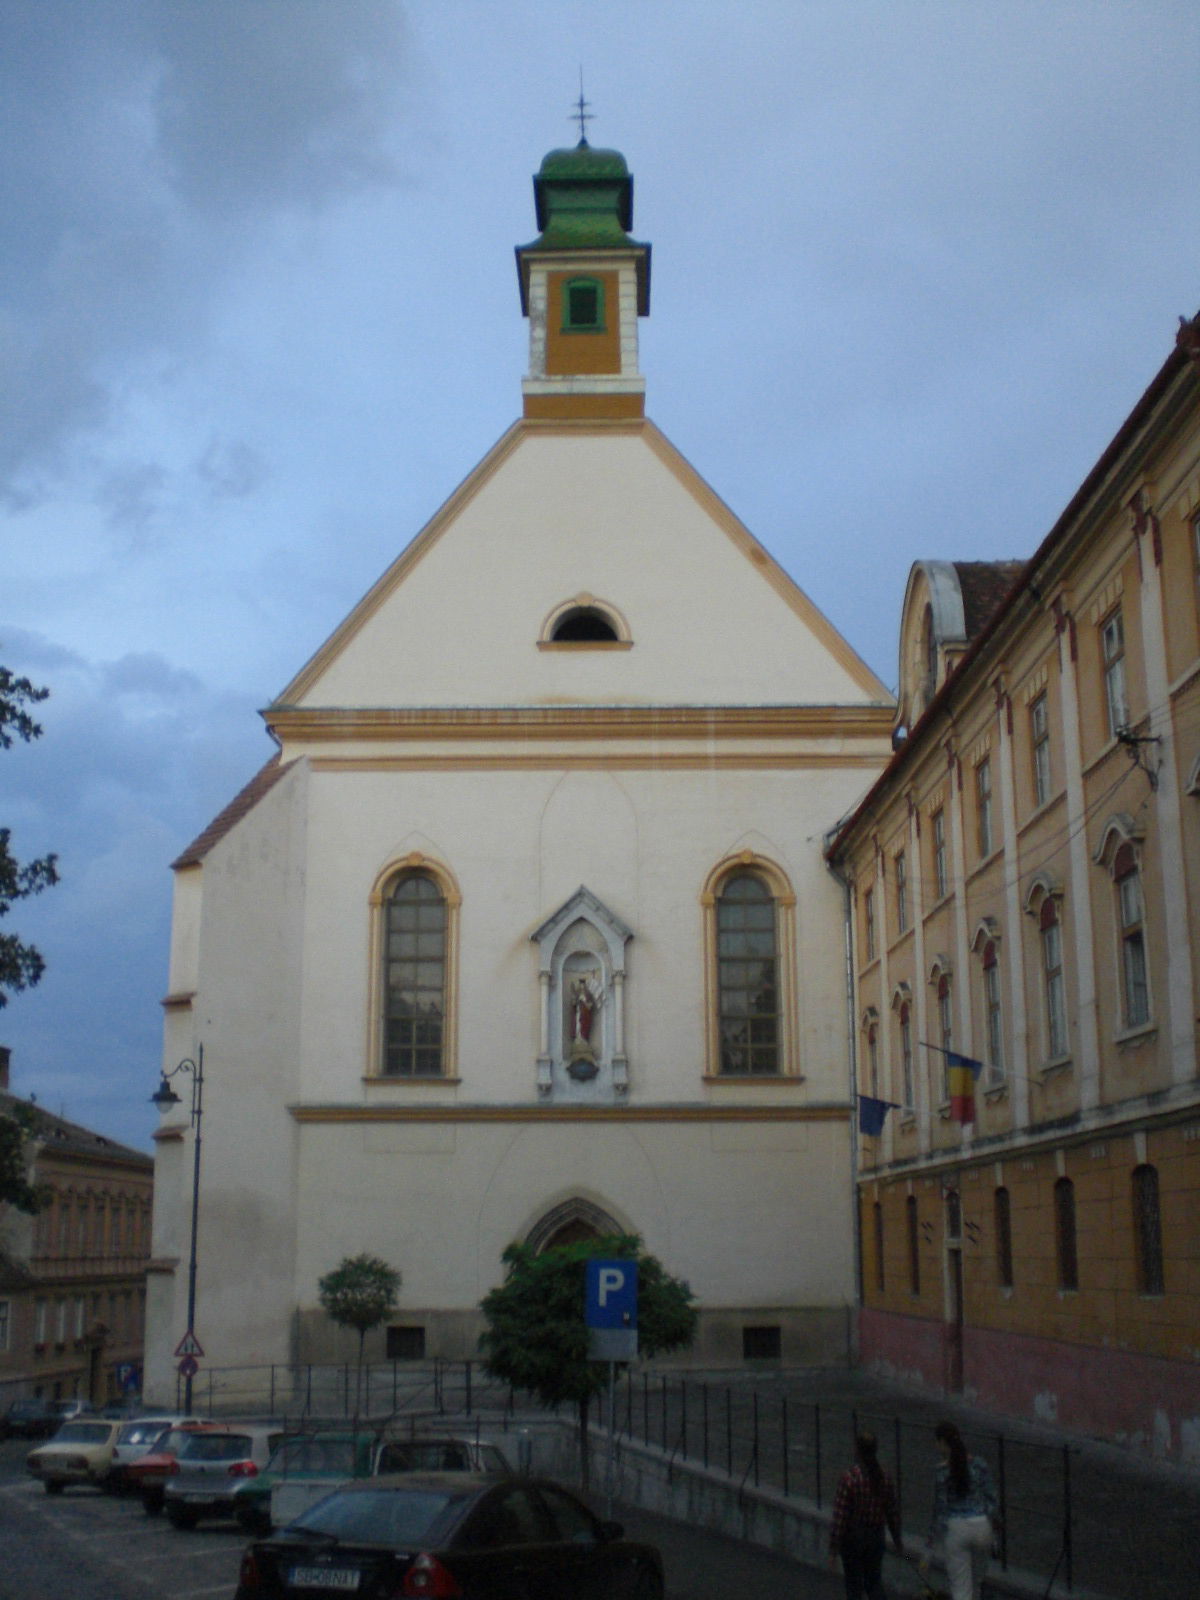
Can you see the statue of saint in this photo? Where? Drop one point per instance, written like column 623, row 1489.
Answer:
column 586, row 998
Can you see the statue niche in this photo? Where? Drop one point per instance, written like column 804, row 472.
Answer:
column 582, row 976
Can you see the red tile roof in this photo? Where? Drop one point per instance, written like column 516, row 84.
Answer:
column 984, row 585
column 242, row 803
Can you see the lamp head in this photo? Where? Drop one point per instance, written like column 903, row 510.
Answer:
column 164, row 1097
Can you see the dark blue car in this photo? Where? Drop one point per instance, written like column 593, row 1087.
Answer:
column 450, row 1536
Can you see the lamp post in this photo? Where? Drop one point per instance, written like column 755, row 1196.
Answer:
column 164, row 1097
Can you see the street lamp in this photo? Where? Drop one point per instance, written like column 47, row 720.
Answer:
column 164, row 1097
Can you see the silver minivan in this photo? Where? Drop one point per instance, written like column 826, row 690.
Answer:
column 209, row 1467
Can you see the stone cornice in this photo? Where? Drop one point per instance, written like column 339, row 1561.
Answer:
column 334, row 723
column 568, row 1113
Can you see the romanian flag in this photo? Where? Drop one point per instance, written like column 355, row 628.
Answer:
column 962, row 1072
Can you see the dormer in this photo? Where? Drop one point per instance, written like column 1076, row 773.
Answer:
column 947, row 604
column 584, row 283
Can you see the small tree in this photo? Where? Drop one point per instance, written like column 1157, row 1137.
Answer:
column 359, row 1293
column 536, row 1339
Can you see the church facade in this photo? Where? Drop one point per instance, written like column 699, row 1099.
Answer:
column 525, row 931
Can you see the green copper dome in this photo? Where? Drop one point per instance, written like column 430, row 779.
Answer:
column 584, row 199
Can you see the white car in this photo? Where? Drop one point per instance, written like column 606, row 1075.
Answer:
column 136, row 1438
column 80, row 1452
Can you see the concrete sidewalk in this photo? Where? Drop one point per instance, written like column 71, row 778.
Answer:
column 1106, row 1522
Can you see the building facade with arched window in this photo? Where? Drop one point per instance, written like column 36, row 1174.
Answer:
column 1025, row 887
column 524, row 932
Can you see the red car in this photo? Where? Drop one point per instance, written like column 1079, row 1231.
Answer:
column 147, row 1475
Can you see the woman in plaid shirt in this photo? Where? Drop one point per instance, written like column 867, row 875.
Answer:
column 864, row 1505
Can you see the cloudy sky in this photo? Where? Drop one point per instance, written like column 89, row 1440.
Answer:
column 914, row 262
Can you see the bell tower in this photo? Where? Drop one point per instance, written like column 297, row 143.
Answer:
column 584, row 283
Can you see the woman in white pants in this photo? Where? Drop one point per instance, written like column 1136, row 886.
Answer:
column 964, row 1505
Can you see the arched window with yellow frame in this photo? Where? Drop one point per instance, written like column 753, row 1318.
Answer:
column 414, row 925
column 749, row 937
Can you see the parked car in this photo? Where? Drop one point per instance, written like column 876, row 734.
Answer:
column 68, row 1410
column 209, row 1464
column 137, row 1438
column 306, row 1468
column 80, row 1452
column 30, row 1418
column 443, row 1533
column 148, row 1474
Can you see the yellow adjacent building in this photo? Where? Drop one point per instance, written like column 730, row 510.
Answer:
column 1025, row 892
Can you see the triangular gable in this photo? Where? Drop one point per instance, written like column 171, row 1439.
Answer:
column 326, row 678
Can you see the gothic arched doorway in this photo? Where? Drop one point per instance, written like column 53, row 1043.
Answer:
column 572, row 1222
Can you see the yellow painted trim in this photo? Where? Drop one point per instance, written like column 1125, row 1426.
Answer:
column 531, row 1114
column 586, row 602
column 584, row 405
column 585, row 644
column 551, row 762
column 580, row 722
column 784, row 585
column 378, row 593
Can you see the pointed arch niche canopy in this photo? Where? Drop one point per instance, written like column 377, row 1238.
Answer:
column 581, row 975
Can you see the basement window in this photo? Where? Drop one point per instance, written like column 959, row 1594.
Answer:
column 762, row 1344
column 406, row 1344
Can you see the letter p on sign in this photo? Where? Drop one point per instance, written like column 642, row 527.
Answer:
column 611, row 1299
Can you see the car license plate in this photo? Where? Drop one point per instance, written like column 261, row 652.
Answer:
column 324, row 1578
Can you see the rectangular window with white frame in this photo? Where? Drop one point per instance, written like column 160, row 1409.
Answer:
column 940, row 876
column 983, row 808
column 901, row 866
column 1112, row 653
column 993, row 1016
column 906, row 1059
column 1039, row 734
column 946, row 1029
column 1053, row 981
column 1135, row 988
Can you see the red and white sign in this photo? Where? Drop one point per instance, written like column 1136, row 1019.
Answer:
column 189, row 1345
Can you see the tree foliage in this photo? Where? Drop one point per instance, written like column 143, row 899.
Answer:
column 359, row 1292
column 17, row 1123
column 536, row 1339
column 21, row 965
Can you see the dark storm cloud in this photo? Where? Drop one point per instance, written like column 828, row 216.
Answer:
column 144, row 141
column 136, row 755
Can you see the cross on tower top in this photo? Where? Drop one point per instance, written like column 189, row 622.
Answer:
column 581, row 112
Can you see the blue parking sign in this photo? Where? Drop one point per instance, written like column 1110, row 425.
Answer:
column 611, row 1296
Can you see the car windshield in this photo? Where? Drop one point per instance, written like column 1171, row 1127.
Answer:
column 173, row 1440
column 315, row 1455
column 399, row 1518
column 214, row 1447
column 83, row 1433
column 141, row 1432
